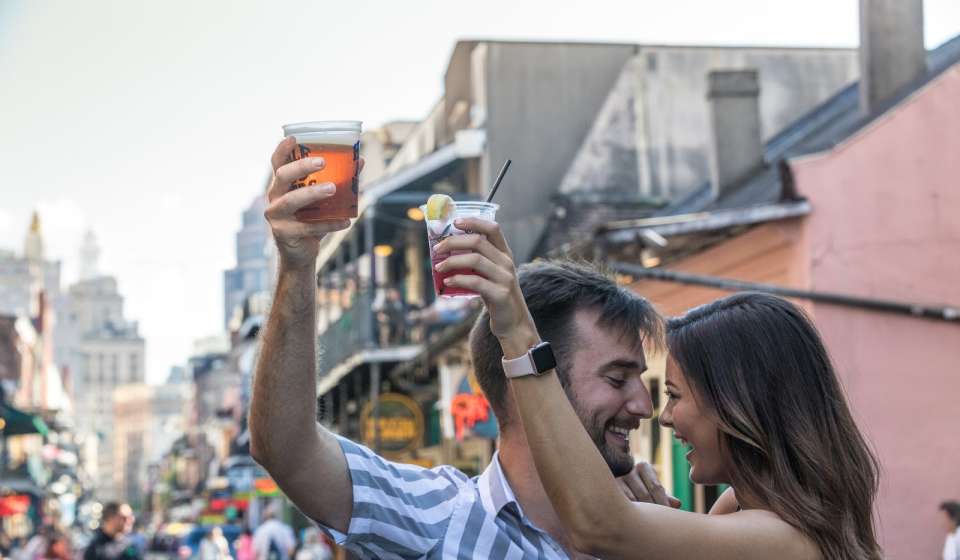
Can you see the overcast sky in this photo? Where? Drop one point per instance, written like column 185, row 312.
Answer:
column 152, row 122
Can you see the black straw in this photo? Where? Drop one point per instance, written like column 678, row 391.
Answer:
column 496, row 184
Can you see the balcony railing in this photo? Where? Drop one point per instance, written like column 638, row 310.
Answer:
column 366, row 325
column 351, row 332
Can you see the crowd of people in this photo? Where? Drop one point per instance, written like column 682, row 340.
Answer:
column 118, row 537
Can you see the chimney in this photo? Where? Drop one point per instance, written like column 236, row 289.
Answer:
column 892, row 54
column 736, row 146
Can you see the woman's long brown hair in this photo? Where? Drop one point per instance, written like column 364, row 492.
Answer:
column 758, row 362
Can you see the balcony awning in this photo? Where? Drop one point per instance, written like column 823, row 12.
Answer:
column 466, row 145
column 375, row 355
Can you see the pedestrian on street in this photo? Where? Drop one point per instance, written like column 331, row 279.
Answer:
column 376, row 508
column 951, row 525
column 59, row 547
column 244, row 545
column 214, row 545
column 109, row 542
column 314, row 547
column 273, row 539
column 36, row 546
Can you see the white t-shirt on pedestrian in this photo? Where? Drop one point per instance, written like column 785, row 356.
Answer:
column 951, row 546
column 277, row 532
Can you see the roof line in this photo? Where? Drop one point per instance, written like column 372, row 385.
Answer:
column 641, row 45
column 682, row 224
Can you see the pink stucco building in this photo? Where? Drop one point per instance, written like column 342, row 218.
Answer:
column 886, row 223
column 860, row 199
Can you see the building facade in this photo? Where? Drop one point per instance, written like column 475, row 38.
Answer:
column 850, row 212
column 147, row 420
column 23, row 277
column 105, row 351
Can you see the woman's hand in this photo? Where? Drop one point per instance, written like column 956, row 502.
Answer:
column 486, row 252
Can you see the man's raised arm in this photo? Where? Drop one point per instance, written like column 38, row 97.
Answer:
column 305, row 460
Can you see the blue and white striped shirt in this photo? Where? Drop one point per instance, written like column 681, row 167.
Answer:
column 406, row 511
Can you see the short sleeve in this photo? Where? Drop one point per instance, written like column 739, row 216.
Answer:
column 399, row 510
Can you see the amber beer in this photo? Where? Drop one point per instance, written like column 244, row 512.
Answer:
column 338, row 143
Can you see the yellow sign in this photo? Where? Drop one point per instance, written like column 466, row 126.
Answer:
column 399, row 424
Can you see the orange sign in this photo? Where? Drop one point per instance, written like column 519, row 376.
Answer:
column 266, row 487
column 468, row 410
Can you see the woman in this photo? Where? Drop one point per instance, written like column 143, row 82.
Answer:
column 750, row 389
column 244, row 545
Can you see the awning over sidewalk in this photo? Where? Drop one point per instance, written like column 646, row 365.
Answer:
column 467, row 144
column 16, row 422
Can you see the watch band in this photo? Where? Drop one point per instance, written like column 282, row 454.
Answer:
column 537, row 361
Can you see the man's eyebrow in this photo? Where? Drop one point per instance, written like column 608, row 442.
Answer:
column 620, row 363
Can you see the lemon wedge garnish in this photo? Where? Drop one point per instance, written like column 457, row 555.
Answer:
column 440, row 207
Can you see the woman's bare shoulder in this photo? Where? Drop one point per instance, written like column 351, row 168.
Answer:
column 770, row 530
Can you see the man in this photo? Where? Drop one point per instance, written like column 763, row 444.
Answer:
column 382, row 509
column 273, row 539
column 109, row 542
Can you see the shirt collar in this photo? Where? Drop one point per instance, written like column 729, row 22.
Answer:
column 495, row 491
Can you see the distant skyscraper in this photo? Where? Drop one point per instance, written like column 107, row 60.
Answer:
column 252, row 273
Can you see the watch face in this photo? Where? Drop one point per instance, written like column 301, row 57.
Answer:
column 543, row 359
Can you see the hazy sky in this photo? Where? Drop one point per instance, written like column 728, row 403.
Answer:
column 152, row 122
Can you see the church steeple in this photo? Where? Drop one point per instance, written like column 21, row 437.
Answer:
column 33, row 243
column 89, row 256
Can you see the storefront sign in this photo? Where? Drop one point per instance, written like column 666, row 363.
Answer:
column 468, row 410
column 399, row 424
column 266, row 487
column 471, row 411
column 14, row 504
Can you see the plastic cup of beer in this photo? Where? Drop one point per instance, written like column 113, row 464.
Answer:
column 439, row 217
column 338, row 143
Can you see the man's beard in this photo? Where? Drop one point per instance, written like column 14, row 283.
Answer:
column 620, row 462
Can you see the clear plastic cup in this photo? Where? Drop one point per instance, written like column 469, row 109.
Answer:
column 438, row 230
column 338, row 143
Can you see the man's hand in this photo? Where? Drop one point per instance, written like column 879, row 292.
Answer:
column 297, row 242
column 642, row 485
column 495, row 281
